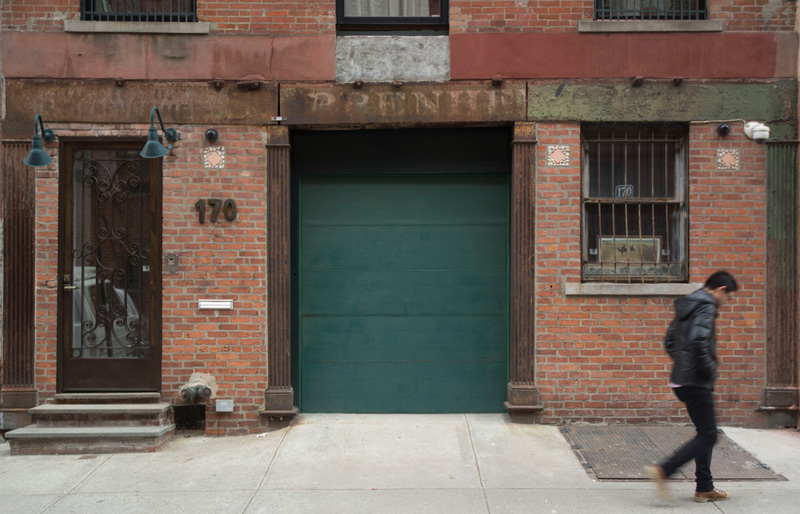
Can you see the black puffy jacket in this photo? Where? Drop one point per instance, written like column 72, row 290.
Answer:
column 691, row 340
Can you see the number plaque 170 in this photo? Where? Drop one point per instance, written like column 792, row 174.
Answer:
column 228, row 208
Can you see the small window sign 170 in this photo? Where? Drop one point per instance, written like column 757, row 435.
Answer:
column 217, row 205
column 624, row 191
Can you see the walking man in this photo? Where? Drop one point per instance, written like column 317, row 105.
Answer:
column 691, row 341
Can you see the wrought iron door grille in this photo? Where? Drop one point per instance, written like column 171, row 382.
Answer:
column 139, row 10
column 634, row 203
column 111, row 256
column 650, row 10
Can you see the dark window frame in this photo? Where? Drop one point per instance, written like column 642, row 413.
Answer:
column 658, row 219
column 390, row 23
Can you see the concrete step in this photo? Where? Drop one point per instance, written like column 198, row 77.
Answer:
column 104, row 414
column 35, row 440
column 107, row 398
column 100, row 408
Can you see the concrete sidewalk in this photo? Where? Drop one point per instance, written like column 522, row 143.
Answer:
column 376, row 464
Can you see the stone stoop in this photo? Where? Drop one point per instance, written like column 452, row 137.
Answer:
column 95, row 423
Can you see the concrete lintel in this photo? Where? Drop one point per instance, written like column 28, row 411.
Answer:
column 651, row 26
column 611, row 289
column 136, row 27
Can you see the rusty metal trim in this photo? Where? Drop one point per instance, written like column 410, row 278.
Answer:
column 781, row 318
column 279, row 396
column 19, row 214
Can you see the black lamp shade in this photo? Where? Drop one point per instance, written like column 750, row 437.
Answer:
column 153, row 149
column 37, row 156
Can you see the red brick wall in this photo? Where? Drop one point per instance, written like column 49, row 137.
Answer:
column 601, row 359
column 46, row 273
column 218, row 260
column 511, row 16
column 728, row 230
column 754, row 14
column 305, row 17
column 563, row 16
column 279, row 17
column 38, row 15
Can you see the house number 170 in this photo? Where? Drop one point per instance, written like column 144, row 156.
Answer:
column 228, row 208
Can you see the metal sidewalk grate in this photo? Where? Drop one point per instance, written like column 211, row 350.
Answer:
column 620, row 452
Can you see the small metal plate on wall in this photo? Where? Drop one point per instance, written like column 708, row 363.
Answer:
column 215, row 304
column 172, row 262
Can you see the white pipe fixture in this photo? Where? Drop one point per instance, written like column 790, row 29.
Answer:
column 757, row 131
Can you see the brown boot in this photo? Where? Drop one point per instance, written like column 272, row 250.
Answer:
column 659, row 478
column 715, row 495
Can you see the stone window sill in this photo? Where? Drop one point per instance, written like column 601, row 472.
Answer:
column 136, row 27
column 650, row 26
column 611, row 289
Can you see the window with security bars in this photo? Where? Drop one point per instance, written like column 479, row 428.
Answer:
column 650, row 10
column 634, row 207
column 139, row 10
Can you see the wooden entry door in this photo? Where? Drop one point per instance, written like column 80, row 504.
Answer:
column 109, row 270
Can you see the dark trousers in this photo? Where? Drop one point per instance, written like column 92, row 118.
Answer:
column 700, row 405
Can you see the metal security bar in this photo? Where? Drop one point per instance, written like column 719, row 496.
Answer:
column 634, row 204
column 650, row 10
column 139, row 10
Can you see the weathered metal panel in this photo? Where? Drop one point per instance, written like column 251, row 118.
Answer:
column 726, row 55
column 663, row 101
column 19, row 212
column 102, row 101
column 407, row 104
column 782, row 291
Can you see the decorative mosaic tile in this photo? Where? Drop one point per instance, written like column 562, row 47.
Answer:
column 557, row 155
column 214, row 157
column 727, row 159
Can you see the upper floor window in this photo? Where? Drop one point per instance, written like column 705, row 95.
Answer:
column 391, row 14
column 650, row 10
column 139, row 10
column 634, row 203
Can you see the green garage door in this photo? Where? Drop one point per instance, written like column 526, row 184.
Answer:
column 403, row 293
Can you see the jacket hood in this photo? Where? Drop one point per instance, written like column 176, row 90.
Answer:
column 685, row 305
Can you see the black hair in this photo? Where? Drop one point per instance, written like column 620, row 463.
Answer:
column 722, row 279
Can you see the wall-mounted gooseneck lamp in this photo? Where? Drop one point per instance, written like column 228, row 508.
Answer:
column 37, row 156
column 153, row 149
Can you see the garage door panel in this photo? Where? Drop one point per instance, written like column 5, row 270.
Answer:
column 381, row 247
column 376, row 338
column 383, row 387
column 404, row 200
column 404, row 293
